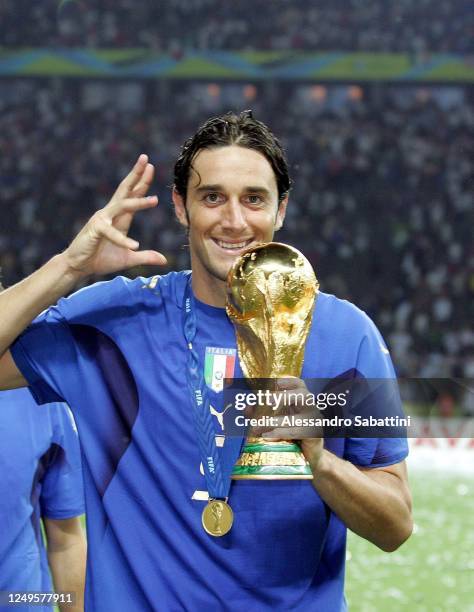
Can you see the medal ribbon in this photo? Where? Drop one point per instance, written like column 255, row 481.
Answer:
column 217, row 463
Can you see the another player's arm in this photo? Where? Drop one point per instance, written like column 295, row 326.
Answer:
column 374, row 503
column 101, row 247
column 67, row 551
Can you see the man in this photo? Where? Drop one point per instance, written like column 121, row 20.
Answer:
column 41, row 480
column 126, row 356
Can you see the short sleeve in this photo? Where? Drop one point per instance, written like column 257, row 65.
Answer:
column 42, row 352
column 374, row 362
column 47, row 353
column 62, row 494
column 375, row 452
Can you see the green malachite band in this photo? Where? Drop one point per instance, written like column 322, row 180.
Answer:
column 271, row 470
column 273, row 448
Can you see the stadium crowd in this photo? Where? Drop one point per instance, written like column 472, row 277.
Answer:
column 382, row 202
column 174, row 26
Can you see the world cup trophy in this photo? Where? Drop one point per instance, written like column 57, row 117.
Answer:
column 271, row 291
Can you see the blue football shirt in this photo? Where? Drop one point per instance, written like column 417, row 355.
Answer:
column 116, row 353
column 41, row 476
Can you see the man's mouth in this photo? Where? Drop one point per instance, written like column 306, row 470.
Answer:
column 232, row 246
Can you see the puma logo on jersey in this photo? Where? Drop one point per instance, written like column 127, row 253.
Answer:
column 219, row 415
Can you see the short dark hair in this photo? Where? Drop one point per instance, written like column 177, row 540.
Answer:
column 232, row 129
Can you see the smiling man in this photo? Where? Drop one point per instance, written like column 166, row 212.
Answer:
column 238, row 205
column 136, row 361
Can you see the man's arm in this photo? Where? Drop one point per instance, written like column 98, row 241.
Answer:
column 101, row 247
column 67, row 558
column 374, row 503
column 11, row 375
column 21, row 303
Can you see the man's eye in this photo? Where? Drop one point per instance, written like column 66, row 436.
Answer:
column 213, row 198
column 254, row 200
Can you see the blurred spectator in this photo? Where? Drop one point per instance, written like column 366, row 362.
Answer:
column 174, row 26
column 382, row 203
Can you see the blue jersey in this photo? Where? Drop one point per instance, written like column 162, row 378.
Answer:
column 116, row 353
column 41, row 476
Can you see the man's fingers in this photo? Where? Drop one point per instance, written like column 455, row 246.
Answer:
column 289, row 383
column 279, row 433
column 286, row 433
column 133, row 204
column 130, row 205
column 145, row 181
column 133, row 177
column 134, row 257
column 116, row 236
column 146, row 258
column 135, row 184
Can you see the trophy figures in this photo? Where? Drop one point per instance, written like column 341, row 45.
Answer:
column 271, row 291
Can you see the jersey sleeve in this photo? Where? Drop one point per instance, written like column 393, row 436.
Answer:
column 62, row 494
column 374, row 364
column 42, row 352
column 47, row 353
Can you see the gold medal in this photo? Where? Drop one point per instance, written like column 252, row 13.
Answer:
column 217, row 517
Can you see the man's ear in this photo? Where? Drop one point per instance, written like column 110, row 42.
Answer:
column 179, row 207
column 281, row 212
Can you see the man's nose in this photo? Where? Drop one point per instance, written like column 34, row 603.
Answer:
column 233, row 216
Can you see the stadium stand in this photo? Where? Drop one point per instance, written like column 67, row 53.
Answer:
column 328, row 25
column 382, row 201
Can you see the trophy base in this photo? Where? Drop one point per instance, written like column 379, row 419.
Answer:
column 267, row 460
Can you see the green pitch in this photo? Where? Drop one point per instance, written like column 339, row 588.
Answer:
column 434, row 570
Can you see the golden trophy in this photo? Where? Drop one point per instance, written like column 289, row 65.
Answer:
column 271, row 291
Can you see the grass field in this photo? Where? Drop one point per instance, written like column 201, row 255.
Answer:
column 434, row 570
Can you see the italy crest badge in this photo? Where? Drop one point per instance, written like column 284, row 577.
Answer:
column 219, row 364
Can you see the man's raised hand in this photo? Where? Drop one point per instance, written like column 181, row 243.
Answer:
column 103, row 246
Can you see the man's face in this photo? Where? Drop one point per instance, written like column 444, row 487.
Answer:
column 232, row 203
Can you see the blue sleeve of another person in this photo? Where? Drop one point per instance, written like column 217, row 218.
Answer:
column 374, row 362
column 62, row 494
